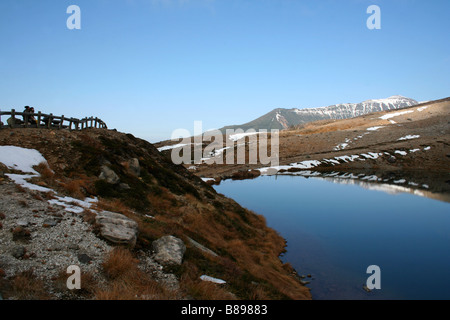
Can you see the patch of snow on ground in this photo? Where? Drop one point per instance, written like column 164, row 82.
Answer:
column 21, row 179
column 427, row 148
column 403, row 153
column 24, row 159
column 301, row 165
column 349, row 158
column 172, row 147
column 341, row 146
column 374, row 128
column 21, row 159
column 72, row 204
column 370, row 155
column 332, row 161
column 238, row 136
column 409, row 137
column 421, row 109
column 370, row 178
column 395, row 114
column 211, row 279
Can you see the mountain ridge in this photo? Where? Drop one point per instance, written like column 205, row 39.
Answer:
column 283, row 118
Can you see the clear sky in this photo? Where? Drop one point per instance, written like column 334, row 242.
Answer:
column 148, row 67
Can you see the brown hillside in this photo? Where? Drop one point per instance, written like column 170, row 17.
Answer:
column 164, row 199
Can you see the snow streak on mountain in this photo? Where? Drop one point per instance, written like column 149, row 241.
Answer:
column 283, row 118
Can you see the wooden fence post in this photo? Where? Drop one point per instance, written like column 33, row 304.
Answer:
column 25, row 119
column 85, row 123
column 39, row 119
column 13, row 118
column 50, row 120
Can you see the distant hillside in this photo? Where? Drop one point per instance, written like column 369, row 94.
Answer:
column 284, row 118
column 407, row 149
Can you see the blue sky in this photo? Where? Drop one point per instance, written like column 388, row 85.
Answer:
column 148, row 67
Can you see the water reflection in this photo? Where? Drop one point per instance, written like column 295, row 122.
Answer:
column 337, row 224
column 436, row 187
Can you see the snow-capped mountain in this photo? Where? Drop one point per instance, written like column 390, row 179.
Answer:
column 283, row 118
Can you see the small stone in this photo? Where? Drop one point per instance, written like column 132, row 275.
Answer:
column 22, row 223
column 49, row 223
column 18, row 252
column 391, row 159
column 124, row 186
column 57, row 247
column 109, row 175
column 169, row 250
column 84, row 258
column 73, row 246
column 134, row 167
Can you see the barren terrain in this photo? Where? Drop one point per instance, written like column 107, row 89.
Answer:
column 413, row 142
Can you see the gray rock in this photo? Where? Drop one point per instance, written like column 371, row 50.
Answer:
column 109, row 175
column 73, row 246
column 202, row 247
column 18, row 252
column 169, row 250
column 124, row 186
column 22, row 223
column 49, row 223
column 391, row 159
column 57, row 247
column 117, row 228
column 134, row 167
column 84, row 258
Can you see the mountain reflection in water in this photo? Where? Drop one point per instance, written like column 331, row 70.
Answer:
column 337, row 224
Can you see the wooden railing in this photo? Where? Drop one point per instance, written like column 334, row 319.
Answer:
column 49, row 121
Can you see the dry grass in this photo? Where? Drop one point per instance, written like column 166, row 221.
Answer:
column 78, row 187
column 46, row 173
column 191, row 283
column 119, row 264
column 164, row 202
column 113, row 205
column 89, row 285
column 24, row 286
column 127, row 281
column 74, row 188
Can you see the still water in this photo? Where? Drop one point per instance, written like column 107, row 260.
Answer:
column 335, row 231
